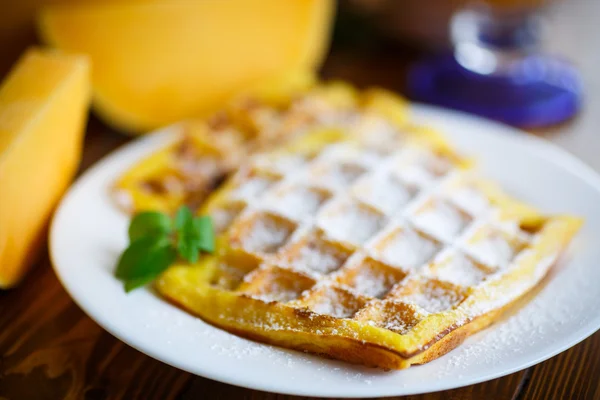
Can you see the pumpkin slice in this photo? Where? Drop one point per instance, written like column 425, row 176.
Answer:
column 156, row 62
column 43, row 110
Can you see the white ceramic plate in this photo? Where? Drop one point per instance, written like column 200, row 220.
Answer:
column 88, row 233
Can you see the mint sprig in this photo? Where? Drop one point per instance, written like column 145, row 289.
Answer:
column 156, row 241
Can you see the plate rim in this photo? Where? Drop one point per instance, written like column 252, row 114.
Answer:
column 537, row 145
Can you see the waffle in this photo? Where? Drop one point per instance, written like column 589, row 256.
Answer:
column 210, row 149
column 378, row 247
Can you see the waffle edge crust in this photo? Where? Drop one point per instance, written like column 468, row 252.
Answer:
column 364, row 239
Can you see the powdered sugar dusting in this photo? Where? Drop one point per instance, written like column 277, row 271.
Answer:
column 458, row 269
column 470, row 200
column 385, row 192
column 222, row 217
column 335, row 303
column 393, row 314
column 318, row 256
column 281, row 164
column 298, row 202
column 419, row 167
column 432, row 297
column 266, row 235
column 441, row 220
column 336, row 176
column 493, row 249
column 407, row 249
column 550, row 314
column 373, row 283
column 351, row 222
column 252, row 187
column 377, row 134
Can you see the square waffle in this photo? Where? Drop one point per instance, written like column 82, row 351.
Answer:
column 385, row 252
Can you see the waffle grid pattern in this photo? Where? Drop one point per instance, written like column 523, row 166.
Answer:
column 384, row 239
column 355, row 235
column 189, row 169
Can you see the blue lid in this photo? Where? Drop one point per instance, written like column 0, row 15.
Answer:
column 543, row 92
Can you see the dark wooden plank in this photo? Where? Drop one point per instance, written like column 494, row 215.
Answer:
column 51, row 350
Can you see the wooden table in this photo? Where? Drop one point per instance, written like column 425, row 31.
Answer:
column 51, row 350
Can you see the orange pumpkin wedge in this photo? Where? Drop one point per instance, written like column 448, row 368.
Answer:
column 156, row 62
column 43, row 110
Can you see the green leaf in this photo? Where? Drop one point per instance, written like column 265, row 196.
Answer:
column 188, row 236
column 150, row 223
column 205, row 232
column 144, row 260
column 152, row 250
column 136, row 283
column 133, row 255
column 187, row 250
column 183, row 217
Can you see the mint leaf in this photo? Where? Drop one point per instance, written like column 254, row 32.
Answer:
column 139, row 282
column 183, row 217
column 205, row 233
column 150, row 223
column 155, row 242
column 144, row 260
column 188, row 234
column 187, row 250
column 133, row 255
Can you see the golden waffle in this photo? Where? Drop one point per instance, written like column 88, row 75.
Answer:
column 186, row 171
column 373, row 246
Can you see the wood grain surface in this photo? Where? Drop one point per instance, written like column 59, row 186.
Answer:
column 49, row 349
